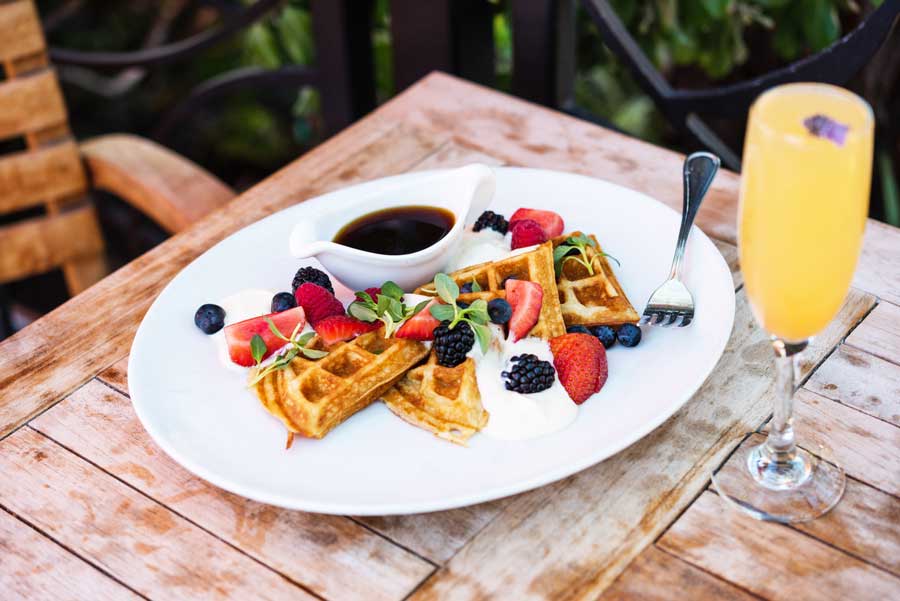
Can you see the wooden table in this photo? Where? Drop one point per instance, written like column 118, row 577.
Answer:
column 93, row 509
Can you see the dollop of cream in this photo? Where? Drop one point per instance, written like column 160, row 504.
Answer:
column 479, row 247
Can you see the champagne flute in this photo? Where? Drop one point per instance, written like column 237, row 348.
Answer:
column 804, row 201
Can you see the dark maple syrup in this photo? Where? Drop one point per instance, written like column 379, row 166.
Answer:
column 397, row 231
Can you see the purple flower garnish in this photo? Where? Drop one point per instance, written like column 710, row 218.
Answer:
column 826, row 127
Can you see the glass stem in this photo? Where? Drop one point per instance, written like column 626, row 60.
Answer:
column 780, row 442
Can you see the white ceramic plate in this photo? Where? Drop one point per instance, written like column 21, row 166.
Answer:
column 204, row 417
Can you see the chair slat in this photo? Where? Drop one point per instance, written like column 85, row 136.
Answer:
column 30, row 178
column 20, row 30
column 30, row 104
column 40, row 244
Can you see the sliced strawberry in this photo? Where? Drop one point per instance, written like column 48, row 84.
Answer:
column 338, row 328
column 317, row 302
column 527, row 232
column 525, row 298
column 580, row 362
column 421, row 325
column 238, row 335
column 550, row 222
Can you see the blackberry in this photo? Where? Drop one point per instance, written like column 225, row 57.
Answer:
column 282, row 302
column 313, row 275
column 493, row 221
column 529, row 374
column 577, row 330
column 210, row 318
column 451, row 346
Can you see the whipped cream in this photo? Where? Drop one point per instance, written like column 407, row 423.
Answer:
column 516, row 416
column 479, row 247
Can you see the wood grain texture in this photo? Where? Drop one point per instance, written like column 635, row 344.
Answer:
column 520, row 133
column 865, row 524
column 453, row 154
column 30, row 178
column 116, row 375
column 878, row 270
column 654, row 575
column 317, row 551
column 168, row 188
column 576, row 542
column 858, row 379
column 40, row 244
column 20, row 30
column 30, row 103
column 39, row 365
column 136, row 540
column 771, row 560
column 35, row 568
column 879, row 333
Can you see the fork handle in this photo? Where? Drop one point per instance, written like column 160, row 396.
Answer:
column 699, row 170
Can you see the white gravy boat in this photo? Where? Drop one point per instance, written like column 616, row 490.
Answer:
column 465, row 192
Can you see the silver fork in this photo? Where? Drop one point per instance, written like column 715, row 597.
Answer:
column 672, row 303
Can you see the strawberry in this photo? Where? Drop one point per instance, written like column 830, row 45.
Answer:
column 373, row 292
column 317, row 302
column 420, row 326
column 580, row 362
column 527, row 232
column 337, row 328
column 238, row 335
column 525, row 298
column 550, row 222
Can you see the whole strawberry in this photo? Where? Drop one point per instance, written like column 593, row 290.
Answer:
column 580, row 362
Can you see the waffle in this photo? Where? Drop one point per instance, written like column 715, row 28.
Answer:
column 443, row 400
column 535, row 266
column 312, row 397
column 592, row 299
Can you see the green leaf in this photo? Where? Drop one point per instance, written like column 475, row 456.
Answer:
column 395, row 309
column 476, row 287
column 312, row 353
column 559, row 254
column 366, row 299
column 446, row 288
column 477, row 311
column 392, row 290
column 388, row 324
column 274, row 329
column 419, row 307
column 442, row 312
column 483, row 335
column 304, row 339
column 383, row 303
column 258, row 348
column 362, row 312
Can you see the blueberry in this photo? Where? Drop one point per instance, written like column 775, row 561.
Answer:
column 629, row 334
column 466, row 288
column 606, row 334
column 499, row 311
column 210, row 318
column 577, row 330
column 283, row 301
column 462, row 304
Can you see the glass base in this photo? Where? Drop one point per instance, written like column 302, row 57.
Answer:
column 794, row 488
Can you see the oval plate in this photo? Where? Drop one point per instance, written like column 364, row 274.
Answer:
column 203, row 415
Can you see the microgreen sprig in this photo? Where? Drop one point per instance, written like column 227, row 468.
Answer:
column 388, row 307
column 580, row 243
column 297, row 347
column 476, row 314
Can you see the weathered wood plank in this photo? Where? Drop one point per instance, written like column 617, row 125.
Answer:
column 30, row 103
column 879, row 333
column 30, row 178
column 317, row 551
column 771, row 560
column 139, row 542
column 20, row 30
column 654, row 575
column 453, row 154
column 116, row 375
column 40, row 365
column 35, row 568
column 576, row 542
column 878, row 271
column 522, row 133
column 860, row 380
column 867, row 448
column 866, row 522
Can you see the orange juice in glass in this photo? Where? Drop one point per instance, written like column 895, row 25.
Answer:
column 804, row 201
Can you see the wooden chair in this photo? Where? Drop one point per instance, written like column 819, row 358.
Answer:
column 48, row 182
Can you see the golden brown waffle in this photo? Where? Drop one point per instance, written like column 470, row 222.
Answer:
column 443, row 400
column 596, row 299
column 312, row 397
column 535, row 266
